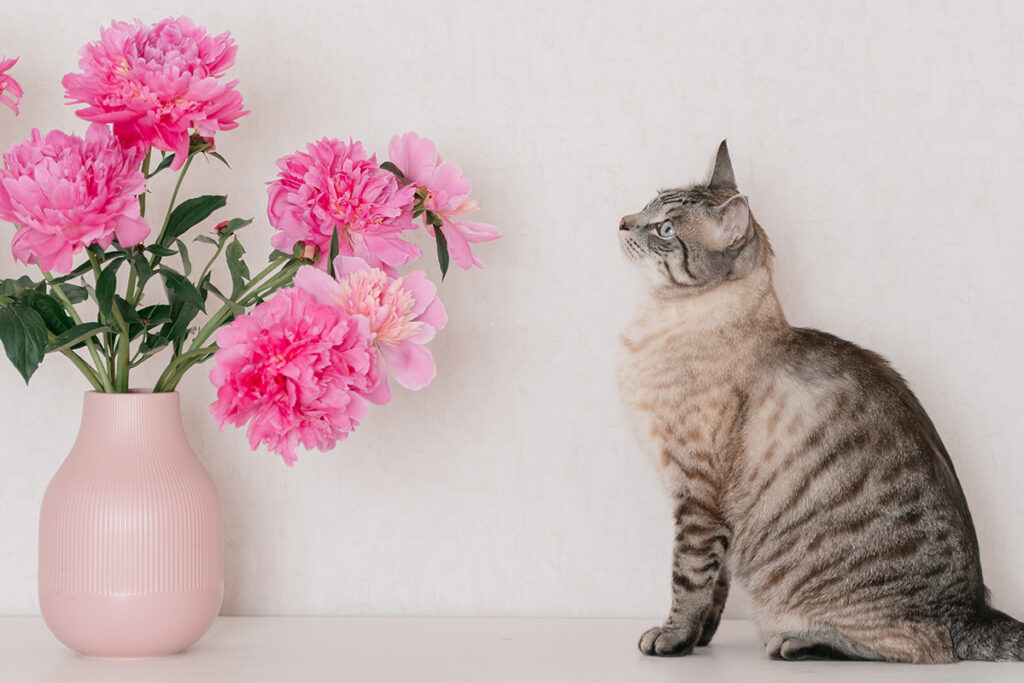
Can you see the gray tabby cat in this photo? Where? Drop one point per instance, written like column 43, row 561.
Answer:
column 802, row 461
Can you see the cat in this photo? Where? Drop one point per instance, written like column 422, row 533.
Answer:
column 797, row 460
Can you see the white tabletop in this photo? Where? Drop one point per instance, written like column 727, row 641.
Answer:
column 364, row 650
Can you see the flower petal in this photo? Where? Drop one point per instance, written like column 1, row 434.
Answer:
column 322, row 286
column 414, row 156
column 131, row 231
column 435, row 316
column 346, row 265
column 478, row 232
column 411, row 365
column 458, row 246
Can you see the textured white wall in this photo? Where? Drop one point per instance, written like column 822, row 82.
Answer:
column 882, row 147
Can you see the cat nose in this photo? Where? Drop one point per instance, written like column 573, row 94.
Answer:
column 622, row 225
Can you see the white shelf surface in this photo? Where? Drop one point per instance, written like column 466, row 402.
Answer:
column 366, row 650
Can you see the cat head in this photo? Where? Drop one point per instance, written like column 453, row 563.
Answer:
column 691, row 239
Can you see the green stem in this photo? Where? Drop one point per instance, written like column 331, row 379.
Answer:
column 90, row 375
column 145, row 174
column 206, row 269
column 109, row 355
column 255, row 287
column 122, row 352
column 107, row 345
column 170, row 207
column 197, row 353
column 95, row 262
column 103, row 376
column 155, row 260
column 130, row 290
column 179, row 365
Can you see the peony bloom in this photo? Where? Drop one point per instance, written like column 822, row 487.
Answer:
column 447, row 195
column 156, row 83
column 404, row 312
column 337, row 185
column 297, row 371
column 66, row 193
column 10, row 89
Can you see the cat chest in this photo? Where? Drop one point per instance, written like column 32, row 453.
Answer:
column 685, row 412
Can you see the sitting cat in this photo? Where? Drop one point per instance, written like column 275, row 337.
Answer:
column 800, row 460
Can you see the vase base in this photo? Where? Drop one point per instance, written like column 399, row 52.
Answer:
column 131, row 626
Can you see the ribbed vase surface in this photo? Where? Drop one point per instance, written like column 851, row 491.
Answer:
column 130, row 533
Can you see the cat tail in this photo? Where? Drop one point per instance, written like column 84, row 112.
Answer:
column 991, row 636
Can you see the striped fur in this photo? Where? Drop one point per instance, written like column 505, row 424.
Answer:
column 800, row 460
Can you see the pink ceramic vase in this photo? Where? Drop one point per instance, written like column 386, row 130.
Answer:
column 130, row 534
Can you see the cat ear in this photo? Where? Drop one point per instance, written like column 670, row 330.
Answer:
column 723, row 178
column 730, row 223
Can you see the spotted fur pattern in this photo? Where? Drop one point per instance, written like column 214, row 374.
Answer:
column 800, row 460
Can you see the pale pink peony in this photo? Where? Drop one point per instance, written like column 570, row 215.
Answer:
column 66, row 193
column 297, row 371
column 334, row 184
column 156, row 83
column 447, row 195
column 10, row 89
column 404, row 312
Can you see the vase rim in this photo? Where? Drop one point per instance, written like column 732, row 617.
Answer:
column 131, row 392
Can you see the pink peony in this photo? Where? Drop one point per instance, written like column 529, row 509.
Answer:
column 297, row 371
column 447, row 195
column 10, row 89
column 334, row 184
column 66, row 193
column 156, row 83
column 404, row 312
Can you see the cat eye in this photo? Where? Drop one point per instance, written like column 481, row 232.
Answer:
column 667, row 230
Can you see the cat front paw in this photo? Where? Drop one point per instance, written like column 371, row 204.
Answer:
column 667, row 641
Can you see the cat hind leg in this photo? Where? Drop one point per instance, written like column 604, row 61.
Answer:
column 817, row 644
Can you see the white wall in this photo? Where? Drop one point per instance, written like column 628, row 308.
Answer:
column 882, row 147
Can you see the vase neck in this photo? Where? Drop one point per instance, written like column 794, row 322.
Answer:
column 131, row 423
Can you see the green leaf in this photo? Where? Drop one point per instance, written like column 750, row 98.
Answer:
column 442, row 252
column 74, row 336
column 235, row 308
column 80, row 270
column 23, row 334
column 164, row 163
column 155, row 315
column 12, row 288
column 390, row 167
column 197, row 143
column 206, row 239
column 149, row 346
column 98, row 252
column 219, row 158
column 143, row 270
column 181, row 316
column 181, row 290
column 333, row 254
column 74, row 293
column 233, row 225
column 127, row 311
column 189, row 213
column 106, row 284
column 239, row 271
column 160, row 251
column 434, row 220
column 49, row 309
column 287, row 274
column 186, row 262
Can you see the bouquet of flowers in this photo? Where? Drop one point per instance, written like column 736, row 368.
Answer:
column 299, row 347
